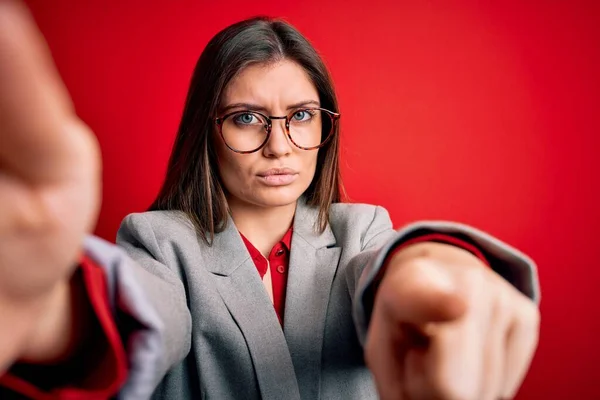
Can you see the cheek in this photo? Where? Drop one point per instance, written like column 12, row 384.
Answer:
column 231, row 167
column 310, row 165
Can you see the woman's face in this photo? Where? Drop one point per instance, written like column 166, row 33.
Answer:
column 277, row 174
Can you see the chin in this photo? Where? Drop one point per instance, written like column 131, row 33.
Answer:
column 278, row 197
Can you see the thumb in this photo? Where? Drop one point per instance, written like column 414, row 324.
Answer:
column 34, row 103
column 421, row 291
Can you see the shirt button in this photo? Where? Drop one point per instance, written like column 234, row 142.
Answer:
column 280, row 269
column 279, row 253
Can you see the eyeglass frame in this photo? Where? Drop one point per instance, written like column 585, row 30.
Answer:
column 269, row 127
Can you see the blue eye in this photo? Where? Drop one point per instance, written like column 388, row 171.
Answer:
column 246, row 119
column 302, row 115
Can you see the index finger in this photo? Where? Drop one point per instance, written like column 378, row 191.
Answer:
column 35, row 108
column 420, row 292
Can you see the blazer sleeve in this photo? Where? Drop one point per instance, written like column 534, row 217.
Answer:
column 148, row 302
column 380, row 239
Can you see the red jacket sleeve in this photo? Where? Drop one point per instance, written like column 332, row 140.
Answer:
column 107, row 372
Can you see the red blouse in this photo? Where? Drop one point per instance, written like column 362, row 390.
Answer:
column 278, row 261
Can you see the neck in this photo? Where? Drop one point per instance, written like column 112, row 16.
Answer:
column 262, row 226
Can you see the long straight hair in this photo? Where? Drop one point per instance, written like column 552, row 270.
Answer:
column 192, row 182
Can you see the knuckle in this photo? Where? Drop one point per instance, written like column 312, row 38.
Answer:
column 420, row 263
column 530, row 315
column 369, row 352
column 475, row 283
column 476, row 276
column 415, row 271
column 503, row 304
column 455, row 391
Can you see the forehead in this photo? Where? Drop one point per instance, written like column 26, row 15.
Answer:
column 270, row 85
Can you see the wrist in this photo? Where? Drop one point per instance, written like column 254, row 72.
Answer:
column 47, row 340
column 446, row 253
column 20, row 316
column 58, row 330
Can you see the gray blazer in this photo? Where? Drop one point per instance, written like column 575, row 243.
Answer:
column 198, row 322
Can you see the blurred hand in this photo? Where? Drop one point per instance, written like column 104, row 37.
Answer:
column 49, row 192
column 445, row 326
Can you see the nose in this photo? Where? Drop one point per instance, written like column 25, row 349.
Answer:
column 279, row 144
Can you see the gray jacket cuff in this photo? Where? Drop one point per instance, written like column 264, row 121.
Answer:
column 131, row 308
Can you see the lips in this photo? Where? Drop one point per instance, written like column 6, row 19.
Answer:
column 277, row 171
column 278, row 176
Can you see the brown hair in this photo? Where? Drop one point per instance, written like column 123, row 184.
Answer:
column 192, row 182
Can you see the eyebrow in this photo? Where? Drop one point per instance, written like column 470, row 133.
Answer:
column 257, row 107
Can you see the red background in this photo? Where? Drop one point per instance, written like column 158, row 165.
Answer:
column 482, row 113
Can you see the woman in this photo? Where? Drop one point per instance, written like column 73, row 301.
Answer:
column 250, row 279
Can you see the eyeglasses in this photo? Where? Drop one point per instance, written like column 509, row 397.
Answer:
column 248, row 131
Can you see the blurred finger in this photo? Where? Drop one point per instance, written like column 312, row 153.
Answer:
column 495, row 347
column 44, row 148
column 34, row 104
column 449, row 363
column 420, row 292
column 451, row 367
column 384, row 354
column 522, row 341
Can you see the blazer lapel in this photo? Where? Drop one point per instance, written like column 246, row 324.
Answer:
column 244, row 295
column 313, row 263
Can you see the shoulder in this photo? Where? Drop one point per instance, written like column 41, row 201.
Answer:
column 359, row 217
column 160, row 225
